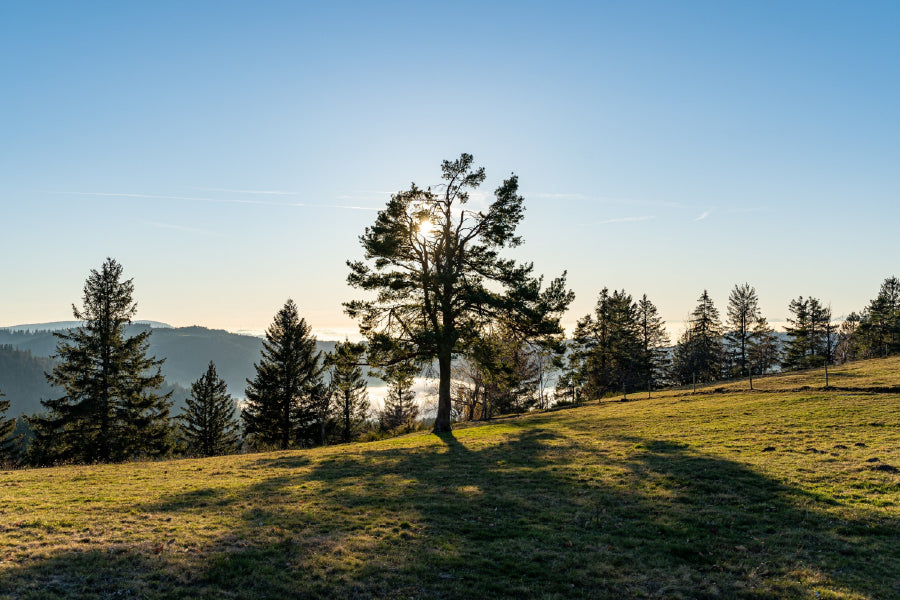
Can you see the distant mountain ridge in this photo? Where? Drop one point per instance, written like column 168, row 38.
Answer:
column 61, row 325
column 187, row 350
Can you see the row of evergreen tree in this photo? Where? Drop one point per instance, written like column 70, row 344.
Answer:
column 623, row 346
column 113, row 408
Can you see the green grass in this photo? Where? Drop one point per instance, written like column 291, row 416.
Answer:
column 781, row 492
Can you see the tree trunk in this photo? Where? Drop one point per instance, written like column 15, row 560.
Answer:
column 442, row 419
column 348, row 425
column 285, row 423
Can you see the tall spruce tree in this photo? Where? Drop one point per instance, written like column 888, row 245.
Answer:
column 350, row 401
column 652, row 340
column 699, row 352
column 807, row 332
column 879, row 328
column 111, row 409
column 798, row 331
column 608, row 344
column 208, row 424
column 436, row 269
column 743, row 314
column 282, row 398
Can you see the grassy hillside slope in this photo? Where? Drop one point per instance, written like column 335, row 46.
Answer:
column 788, row 492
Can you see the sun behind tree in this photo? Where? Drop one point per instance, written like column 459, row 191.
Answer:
column 438, row 286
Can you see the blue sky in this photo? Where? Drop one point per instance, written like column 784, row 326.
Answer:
column 230, row 154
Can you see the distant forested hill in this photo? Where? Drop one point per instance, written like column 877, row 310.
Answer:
column 24, row 385
column 187, row 351
column 22, row 380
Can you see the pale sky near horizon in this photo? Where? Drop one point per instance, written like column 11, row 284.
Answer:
column 229, row 154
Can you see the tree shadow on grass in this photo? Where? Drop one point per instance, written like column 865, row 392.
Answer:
column 538, row 515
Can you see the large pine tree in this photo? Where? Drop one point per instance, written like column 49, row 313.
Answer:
column 208, row 424
column 350, row 402
column 435, row 267
column 743, row 314
column 111, row 409
column 652, row 342
column 282, row 400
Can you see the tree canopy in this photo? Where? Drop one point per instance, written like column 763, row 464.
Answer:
column 698, row 354
column 282, row 400
column 438, row 278
column 349, row 399
column 208, row 424
column 111, row 409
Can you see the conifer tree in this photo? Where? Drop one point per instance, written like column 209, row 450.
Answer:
column 208, row 424
column 350, row 401
column 652, row 340
column 743, row 313
column 879, row 328
column 807, row 332
column 608, row 343
column 111, row 409
column 400, row 408
column 698, row 354
column 798, row 331
column 281, row 405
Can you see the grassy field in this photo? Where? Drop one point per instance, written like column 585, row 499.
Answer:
column 789, row 491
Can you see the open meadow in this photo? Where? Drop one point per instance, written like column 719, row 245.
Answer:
column 790, row 491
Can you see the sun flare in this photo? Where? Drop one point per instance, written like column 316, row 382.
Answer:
column 426, row 227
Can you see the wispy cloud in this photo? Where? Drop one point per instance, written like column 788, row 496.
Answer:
column 252, row 192
column 168, row 197
column 748, row 209
column 605, row 199
column 180, row 228
column 627, row 220
column 704, row 215
column 139, row 196
column 345, row 206
column 560, row 196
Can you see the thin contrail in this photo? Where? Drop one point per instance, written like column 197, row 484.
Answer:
column 214, row 200
column 626, row 220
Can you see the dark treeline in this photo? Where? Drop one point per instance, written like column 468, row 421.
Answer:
column 620, row 348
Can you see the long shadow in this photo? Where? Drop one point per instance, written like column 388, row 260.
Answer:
column 470, row 519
